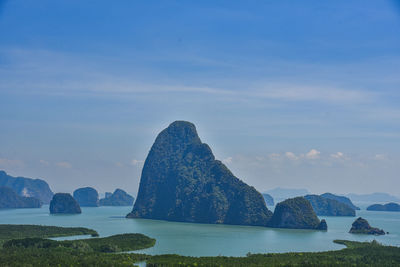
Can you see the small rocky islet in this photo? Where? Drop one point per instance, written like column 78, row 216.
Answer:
column 361, row 226
column 118, row 198
column 64, row 203
column 87, row 197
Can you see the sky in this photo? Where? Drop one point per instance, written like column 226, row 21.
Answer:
column 296, row 94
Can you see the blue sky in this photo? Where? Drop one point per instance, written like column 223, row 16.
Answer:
column 300, row 94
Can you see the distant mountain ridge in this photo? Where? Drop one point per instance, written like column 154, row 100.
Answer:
column 280, row 193
column 374, row 197
column 27, row 187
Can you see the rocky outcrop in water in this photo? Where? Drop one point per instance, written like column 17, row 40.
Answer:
column 27, row 187
column 87, row 197
column 118, row 198
column 182, row 181
column 342, row 199
column 329, row 207
column 64, row 203
column 385, row 207
column 296, row 213
column 10, row 200
column 361, row 226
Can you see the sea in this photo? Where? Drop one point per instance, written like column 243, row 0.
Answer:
column 191, row 239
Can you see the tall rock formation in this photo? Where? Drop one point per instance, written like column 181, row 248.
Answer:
column 87, row 197
column 182, row 181
column 27, row 187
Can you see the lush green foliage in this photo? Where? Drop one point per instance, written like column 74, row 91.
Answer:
column 329, row 207
column 118, row 198
column 13, row 231
column 342, row 199
column 10, row 200
column 64, row 203
column 182, row 181
column 356, row 254
column 295, row 213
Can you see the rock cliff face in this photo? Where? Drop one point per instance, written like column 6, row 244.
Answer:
column 329, row 207
column 10, row 200
column 385, row 207
column 269, row 200
column 118, row 198
column 361, row 226
column 296, row 213
column 64, row 203
column 27, row 187
column 87, row 197
column 182, row 181
column 342, row 199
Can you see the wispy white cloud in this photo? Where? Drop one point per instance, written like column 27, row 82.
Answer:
column 7, row 163
column 291, row 155
column 44, row 162
column 313, row 154
column 227, row 160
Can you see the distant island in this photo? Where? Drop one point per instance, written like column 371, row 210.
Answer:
column 87, row 197
column 118, row 198
column 11, row 200
column 182, row 181
column 361, row 226
column 27, row 187
column 64, row 203
column 269, row 200
column 374, row 197
column 296, row 213
column 343, row 199
column 279, row 194
column 329, row 207
column 385, row 207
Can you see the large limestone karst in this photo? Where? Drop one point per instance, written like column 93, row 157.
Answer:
column 329, row 207
column 10, row 200
column 87, row 197
column 342, row 199
column 296, row 213
column 64, row 203
column 27, row 187
column 182, row 181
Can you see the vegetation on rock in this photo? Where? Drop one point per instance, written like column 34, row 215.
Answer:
column 118, row 198
column 329, row 207
column 64, row 203
column 182, row 181
column 361, row 226
column 295, row 213
column 342, row 199
column 27, row 187
column 10, row 200
column 87, row 197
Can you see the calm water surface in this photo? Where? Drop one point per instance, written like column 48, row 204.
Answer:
column 211, row 240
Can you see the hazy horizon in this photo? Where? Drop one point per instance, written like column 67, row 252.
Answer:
column 287, row 94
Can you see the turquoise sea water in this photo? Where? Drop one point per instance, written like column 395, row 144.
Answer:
column 211, row 240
